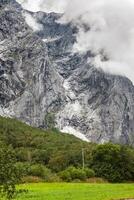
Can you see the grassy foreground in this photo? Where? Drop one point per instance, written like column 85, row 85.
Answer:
column 77, row 191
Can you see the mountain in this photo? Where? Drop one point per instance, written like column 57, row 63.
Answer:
column 41, row 76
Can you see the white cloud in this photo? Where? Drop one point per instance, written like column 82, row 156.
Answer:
column 57, row 6
column 111, row 30
column 111, row 24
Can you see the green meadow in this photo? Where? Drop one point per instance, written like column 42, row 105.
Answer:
column 76, row 191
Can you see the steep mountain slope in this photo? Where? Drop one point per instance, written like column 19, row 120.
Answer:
column 98, row 104
column 28, row 80
column 39, row 75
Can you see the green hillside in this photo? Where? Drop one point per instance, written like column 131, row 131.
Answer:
column 53, row 156
column 51, row 148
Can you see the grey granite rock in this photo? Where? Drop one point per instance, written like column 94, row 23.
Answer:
column 39, row 75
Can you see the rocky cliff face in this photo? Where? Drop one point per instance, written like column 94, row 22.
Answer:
column 28, row 81
column 40, row 75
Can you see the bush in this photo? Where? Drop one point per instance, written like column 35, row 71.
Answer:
column 37, row 170
column 72, row 174
column 77, row 173
column 89, row 173
column 36, row 173
column 23, row 168
column 65, row 176
column 40, row 171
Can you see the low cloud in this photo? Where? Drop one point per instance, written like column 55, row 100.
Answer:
column 109, row 29
column 104, row 26
column 57, row 6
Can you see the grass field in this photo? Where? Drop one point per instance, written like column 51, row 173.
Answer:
column 76, row 191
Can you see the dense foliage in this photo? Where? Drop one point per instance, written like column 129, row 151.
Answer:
column 51, row 148
column 53, row 156
column 9, row 175
column 113, row 162
column 75, row 174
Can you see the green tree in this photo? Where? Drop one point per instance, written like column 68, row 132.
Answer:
column 126, row 163
column 50, row 120
column 58, row 161
column 9, row 175
column 113, row 162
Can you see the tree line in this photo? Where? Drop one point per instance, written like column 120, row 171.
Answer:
column 32, row 155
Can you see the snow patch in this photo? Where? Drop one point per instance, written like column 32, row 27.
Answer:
column 72, row 131
column 49, row 39
column 45, row 40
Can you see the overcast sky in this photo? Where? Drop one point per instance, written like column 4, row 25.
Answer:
column 111, row 25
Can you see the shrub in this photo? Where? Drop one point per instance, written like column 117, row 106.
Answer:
column 65, row 176
column 89, row 173
column 36, row 173
column 73, row 174
column 37, row 170
column 40, row 171
column 77, row 173
column 23, row 168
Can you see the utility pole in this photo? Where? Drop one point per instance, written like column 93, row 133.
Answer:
column 83, row 159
